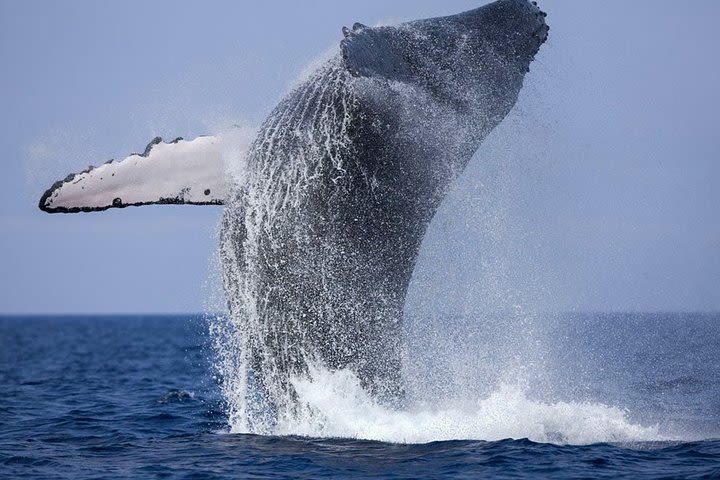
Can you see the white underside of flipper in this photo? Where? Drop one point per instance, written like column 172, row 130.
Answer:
column 180, row 172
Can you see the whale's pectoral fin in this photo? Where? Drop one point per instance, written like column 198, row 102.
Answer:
column 179, row 172
column 373, row 51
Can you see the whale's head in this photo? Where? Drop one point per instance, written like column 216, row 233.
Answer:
column 511, row 30
column 466, row 60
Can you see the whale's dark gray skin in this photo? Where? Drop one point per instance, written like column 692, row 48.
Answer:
column 319, row 243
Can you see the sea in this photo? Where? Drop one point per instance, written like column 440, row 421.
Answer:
column 599, row 395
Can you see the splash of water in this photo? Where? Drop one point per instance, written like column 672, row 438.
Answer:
column 335, row 405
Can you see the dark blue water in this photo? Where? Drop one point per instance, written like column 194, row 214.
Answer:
column 135, row 397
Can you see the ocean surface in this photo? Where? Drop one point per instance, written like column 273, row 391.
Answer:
column 621, row 395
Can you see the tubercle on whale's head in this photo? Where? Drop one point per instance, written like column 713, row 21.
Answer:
column 515, row 28
column 507, row 32
column 464, row 58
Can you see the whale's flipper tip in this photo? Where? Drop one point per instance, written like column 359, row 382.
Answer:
column 179, row 172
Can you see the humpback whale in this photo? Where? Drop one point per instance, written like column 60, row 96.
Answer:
column 321, row 232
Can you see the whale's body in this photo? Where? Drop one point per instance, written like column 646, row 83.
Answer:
column 319, row 239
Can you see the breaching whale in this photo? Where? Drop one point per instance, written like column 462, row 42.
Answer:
column 321, row 232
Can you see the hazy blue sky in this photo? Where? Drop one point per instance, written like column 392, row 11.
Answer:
column 600, row 192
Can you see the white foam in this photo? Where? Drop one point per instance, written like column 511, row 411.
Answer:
column 335, row 405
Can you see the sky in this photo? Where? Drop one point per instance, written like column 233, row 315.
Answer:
column 598, row 193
